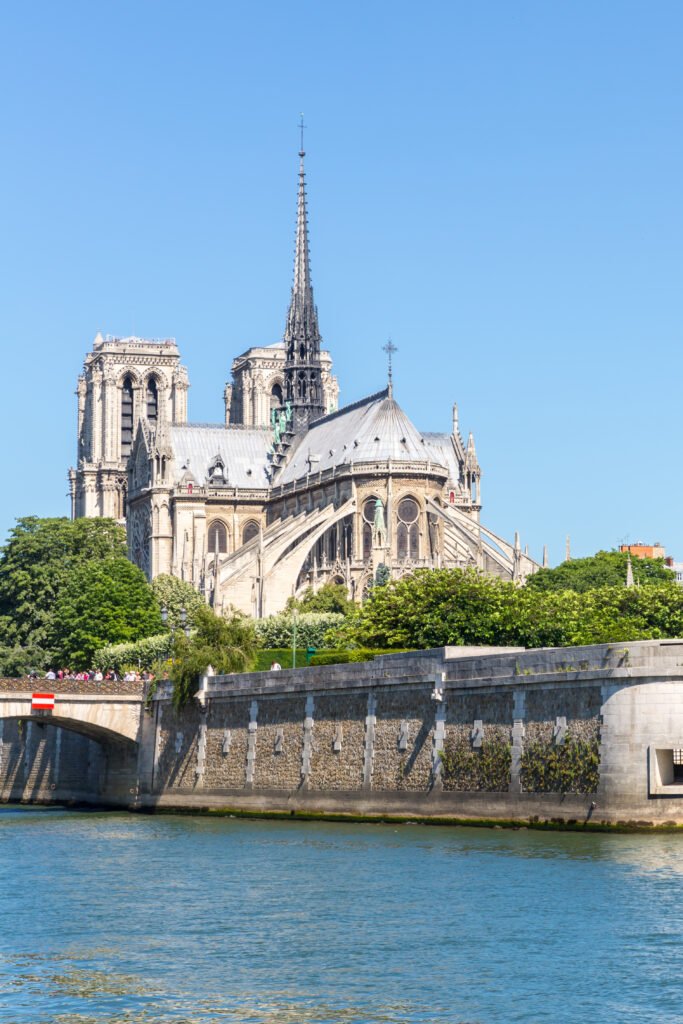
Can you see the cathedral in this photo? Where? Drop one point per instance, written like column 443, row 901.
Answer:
column 290, row 491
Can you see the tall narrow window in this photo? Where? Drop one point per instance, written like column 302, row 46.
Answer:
column 152, row 398
column 126, row 416
column 368, row 520
column 217, row 540
column 276, row 401
column 407, row 533
column 250, row 531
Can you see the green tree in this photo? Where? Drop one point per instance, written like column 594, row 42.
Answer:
column 228, row 644
column 36, row 564
column 331, row 597
column 173, row 594
column 604, row 569
column 104, row 602
column 431, row 608
column 440, row 607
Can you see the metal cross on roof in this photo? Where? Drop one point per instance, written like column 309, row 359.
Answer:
column 301, row 129
column 390, row 348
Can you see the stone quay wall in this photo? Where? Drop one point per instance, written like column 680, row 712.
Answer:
column 582, row 734
column 591, row 734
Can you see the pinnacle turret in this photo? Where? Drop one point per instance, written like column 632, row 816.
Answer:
column 302, row 334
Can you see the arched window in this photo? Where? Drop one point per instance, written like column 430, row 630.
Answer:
column 217, row 540
column 368, row 520
column 407, row 533
column 250, row 531
column 126, row 416
column 276, row 397
column 152, row 400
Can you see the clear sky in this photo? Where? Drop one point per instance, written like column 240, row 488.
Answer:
column 495, row 185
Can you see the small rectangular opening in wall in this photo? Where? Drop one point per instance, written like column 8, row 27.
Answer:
column 666, row 771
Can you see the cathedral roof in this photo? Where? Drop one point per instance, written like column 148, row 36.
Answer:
column 374, row 429
column 242, row 449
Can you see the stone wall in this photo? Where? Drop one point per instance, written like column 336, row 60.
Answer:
column 411, row 732
column 571, row 735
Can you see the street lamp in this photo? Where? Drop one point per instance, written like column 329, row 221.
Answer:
column 295, row 616
column 184, row 623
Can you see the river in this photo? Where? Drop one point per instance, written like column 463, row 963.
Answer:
column 151, row 920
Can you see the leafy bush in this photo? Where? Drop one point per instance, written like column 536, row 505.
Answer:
column 228, row 644
column 343, row 657
column 437, row 607
column 311, row 629
column 173, row 594
column 141, row 653
column 604, row 569
column 16, row 662
column 331, row 597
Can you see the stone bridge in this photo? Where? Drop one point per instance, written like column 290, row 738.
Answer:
column 86, row 749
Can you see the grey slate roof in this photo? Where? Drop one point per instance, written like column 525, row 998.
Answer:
column 376, row 428
column 241, row 448
column 443, row 451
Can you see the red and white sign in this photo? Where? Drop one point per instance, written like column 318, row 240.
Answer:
column 42, row 702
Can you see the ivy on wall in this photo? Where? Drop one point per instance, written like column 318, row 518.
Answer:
column 486, row 769
column 571, row 767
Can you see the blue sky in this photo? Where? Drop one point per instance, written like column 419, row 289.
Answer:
column 495, row 185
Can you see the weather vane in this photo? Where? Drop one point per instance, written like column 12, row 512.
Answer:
column 390, row 348
column 301, row 129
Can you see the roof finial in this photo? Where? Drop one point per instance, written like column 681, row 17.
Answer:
column 390, row 348
column 302, row 151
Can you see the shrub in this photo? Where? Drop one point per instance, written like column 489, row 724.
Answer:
column 311, row 629
column 141, row 653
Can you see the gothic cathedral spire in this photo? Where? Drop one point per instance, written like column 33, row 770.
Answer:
column 303, row 385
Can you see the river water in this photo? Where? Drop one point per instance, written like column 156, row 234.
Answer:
column 151, row 920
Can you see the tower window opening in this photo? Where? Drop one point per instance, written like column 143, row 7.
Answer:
column 126, row 416
column 152, row 399
column 276, row 401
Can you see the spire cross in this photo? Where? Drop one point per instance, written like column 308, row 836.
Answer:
column 390, row 348
column 301, row 129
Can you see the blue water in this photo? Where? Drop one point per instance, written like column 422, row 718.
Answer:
column 150, row 920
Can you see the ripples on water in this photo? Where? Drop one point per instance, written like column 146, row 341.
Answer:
column 173, row 920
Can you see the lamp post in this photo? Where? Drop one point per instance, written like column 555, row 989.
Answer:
column 184, row 623
column 295, row 616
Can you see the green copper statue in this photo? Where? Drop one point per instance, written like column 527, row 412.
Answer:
column 379, row 527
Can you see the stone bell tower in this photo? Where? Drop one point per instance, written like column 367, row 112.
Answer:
column 123, row 380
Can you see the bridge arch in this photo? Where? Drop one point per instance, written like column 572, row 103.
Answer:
column 102, row 718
